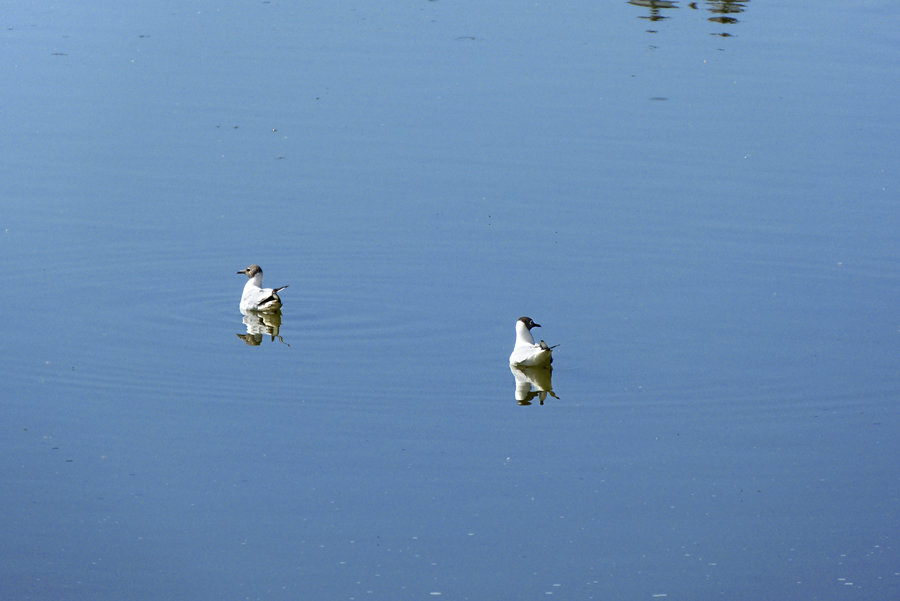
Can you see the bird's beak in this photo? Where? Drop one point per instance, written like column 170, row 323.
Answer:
column 244, row 271
column 535, row 325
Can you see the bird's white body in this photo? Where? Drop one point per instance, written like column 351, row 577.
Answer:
column 526, row 353
column 255, row 297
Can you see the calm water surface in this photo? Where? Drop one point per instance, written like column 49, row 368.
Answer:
column 698, row 201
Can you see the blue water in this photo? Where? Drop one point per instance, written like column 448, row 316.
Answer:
column 701, row 208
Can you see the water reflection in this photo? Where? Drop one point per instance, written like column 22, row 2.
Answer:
column 533, row 382
column 260, row 325
column 723, row 10
column 655, row 6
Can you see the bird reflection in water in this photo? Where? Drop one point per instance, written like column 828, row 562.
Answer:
column 260, row 325
column 655, row 7
column 723, row 11
column 533, row 382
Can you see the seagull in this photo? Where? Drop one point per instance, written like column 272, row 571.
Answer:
column 255, row 297
column 526, row 352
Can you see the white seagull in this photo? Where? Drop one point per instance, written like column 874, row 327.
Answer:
column 255, row 297
column 526, row 352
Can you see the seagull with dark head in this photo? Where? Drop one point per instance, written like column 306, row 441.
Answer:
column 526, row 353
column 255, row 297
